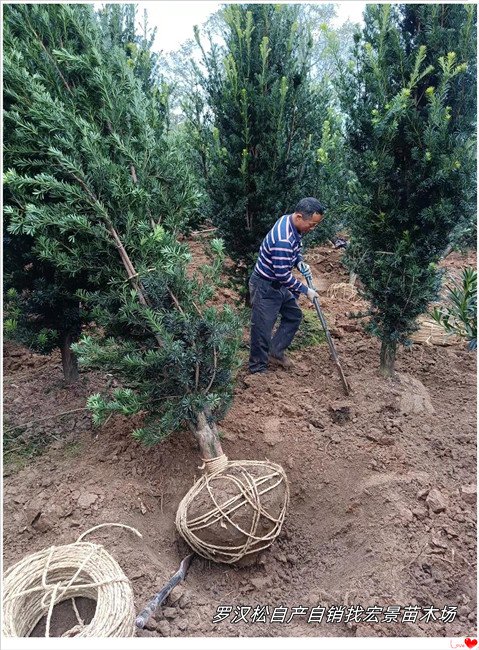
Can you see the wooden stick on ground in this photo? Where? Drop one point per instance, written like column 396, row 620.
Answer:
column 162, row 595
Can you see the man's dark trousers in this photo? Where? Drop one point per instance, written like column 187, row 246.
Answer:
column 268, row 299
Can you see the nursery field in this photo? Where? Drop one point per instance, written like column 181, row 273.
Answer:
column 382, row 510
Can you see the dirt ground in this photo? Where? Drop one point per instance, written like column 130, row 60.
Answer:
column 383, row 501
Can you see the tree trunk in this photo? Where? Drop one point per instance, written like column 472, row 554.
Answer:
column 447, row 251
column 388, row 357
column 69, row 360
column 207, row 437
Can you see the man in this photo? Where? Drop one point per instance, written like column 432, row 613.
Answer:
column 273, row 289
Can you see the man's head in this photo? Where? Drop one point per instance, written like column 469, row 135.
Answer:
column 307, row 214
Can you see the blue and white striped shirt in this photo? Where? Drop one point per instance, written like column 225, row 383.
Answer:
column 279, row 253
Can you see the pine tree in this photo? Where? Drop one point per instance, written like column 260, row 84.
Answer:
column 264, row 114
column 411, row 104
column 107, row 198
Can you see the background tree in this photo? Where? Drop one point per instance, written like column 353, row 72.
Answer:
column 41, row 308
column 451, row 31
column 179, row 67
column 263, row 113
column 119, row 26
column 194, row 125
column 411, row 107
column 107, row 198
column 318, row 19
column 332, row 52
column 333, row 175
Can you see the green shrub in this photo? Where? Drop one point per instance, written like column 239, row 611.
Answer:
column 460, row 316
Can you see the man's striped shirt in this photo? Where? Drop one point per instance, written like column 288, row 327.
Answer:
column 279, row 253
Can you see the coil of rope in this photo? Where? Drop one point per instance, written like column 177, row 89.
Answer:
column 33, row 586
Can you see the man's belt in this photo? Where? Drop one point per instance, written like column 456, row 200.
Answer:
column 276, row 284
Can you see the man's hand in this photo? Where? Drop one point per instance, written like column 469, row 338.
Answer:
column 312, row 294
column 305, row 270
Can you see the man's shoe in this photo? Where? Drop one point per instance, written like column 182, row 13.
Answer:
column 281, row 362
column 257, row 371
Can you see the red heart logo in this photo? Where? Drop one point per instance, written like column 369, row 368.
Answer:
column 470, row 642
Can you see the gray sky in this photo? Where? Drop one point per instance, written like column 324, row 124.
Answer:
column 175, row 19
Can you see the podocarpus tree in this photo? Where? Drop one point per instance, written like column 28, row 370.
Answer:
column 41, row 306
column 119, row 27
column 452, row 31
column 264, row 114
column 109, row 199
column 333, row 48
column 411, row 105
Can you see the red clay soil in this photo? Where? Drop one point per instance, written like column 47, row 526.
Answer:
column 382, row 508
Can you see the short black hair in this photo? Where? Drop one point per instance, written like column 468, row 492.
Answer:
column 309, row 206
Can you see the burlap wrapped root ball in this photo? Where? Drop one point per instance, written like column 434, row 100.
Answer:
column 234, row 511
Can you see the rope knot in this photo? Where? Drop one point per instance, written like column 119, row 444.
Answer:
column 212, row 465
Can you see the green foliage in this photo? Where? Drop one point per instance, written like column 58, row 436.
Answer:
column 256, row 114
column 179, row 142
column 176, row 356
column 411, row 108
column 40, row 306
column 46, row 41
column 460, row 317
column 108, row 197
column 333, row 176
column 464, row 235
column 118, row 23
column 42, row 310
column 310, row 333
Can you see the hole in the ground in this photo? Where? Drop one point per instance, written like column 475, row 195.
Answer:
column 64, row 617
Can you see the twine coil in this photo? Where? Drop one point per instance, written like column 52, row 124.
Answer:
column 344, row 290
column 250, row 489
column 33, row 586
column 431, row 333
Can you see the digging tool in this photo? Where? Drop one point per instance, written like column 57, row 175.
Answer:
column 332, row 349
column 162, row 595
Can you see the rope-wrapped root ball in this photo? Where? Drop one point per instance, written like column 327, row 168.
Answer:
column 236, row 509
